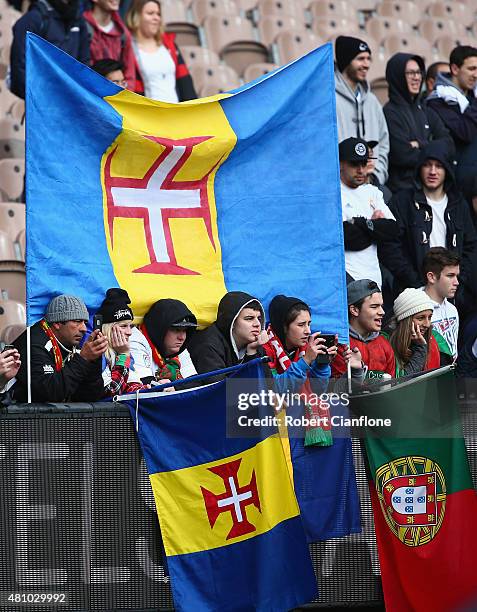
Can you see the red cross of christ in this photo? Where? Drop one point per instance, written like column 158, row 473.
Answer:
column 156, row 198
column 235, row 499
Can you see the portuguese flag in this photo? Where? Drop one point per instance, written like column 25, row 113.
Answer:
column 424, row 504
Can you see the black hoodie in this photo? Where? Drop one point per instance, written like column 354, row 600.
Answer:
column 404, row 256
column 160, row 318
column 279, row 307
column 214, row 347
column 408, row 120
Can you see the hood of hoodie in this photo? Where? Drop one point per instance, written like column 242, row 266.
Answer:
column 354, row 334
column 443, row 78
column 229, row 309
column 343, row 89
column 278, row 310
column 395, row 69
column 160, row 318
column 119, row 30
column 436, row 149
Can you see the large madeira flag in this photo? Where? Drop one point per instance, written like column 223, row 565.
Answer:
column 235, row 192
column 229, row 518
column 424, row 503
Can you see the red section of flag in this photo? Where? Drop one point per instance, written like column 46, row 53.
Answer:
column 235, row 499
column 438, row 576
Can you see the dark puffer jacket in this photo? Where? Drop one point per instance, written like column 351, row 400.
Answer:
column 66, row 30
column 214, row 347
column 404, row 256
column 408, row 120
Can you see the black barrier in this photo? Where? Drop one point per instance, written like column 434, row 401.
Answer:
column 78, row 528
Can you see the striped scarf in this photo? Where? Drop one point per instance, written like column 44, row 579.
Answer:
column 169, row 367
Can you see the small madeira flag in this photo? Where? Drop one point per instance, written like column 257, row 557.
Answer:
column 424, row 503
column 230, row 522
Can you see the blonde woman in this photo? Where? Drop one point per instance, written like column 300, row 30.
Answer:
column 161, row 73
column 119, row 376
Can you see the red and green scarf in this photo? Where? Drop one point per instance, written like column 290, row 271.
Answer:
column 169, row 368
column 279, row 362
column 56, row 347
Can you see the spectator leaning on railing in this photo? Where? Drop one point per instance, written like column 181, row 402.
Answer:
column 59, row 371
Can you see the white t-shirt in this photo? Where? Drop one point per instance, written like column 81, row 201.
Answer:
column 439, row 229
column 107, row 28
column 363, row 202
column 159, row 75
column 445, row 319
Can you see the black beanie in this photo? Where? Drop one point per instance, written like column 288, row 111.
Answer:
column 347, row 48
column 115, row 306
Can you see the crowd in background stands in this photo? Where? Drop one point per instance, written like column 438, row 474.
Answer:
column 409, row 200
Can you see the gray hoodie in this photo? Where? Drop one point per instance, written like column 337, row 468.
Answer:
column 363, row 119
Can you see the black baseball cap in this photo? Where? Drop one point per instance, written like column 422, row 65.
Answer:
column 354, row 150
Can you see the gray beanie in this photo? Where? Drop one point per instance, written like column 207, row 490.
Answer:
column 410, row 302
column 66, row 308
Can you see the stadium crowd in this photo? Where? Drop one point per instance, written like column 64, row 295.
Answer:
column 409, row 204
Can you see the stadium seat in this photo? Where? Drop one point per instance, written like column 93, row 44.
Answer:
column 7, row 99
column 12, row 219
column 7, row 19
column 411, row 12
column 17, row 110
column 380, row 27
column 379, row 87
column 270, row 26
column 328, row 28
column 4, row 60
column 457, row 11
column 329, row 8
column 432, row 29
column 221, row 77
column 21, row 243
column 395, row 43
column 174, row 14
column 7, row 250
column 173, row 11
column 12, row 312
column 10, row 333
column 246, row 5
column 203, row 8
column 12, row 172
column 291, row 45
column 445, row 43
column 281, row 8
column 12, row 138
column 193, row 54
column 377, row 69
column 257, row 70
column 234, row 40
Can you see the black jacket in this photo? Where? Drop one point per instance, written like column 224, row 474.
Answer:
column 404, row 256
column 161, row 316
column 462, row 127
column 408, row 120
column 214, row 347
column 78, row 381
column 69, row 34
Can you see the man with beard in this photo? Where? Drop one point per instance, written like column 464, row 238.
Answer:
column 57, row 21
column 358, row 111
column 60, row 371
